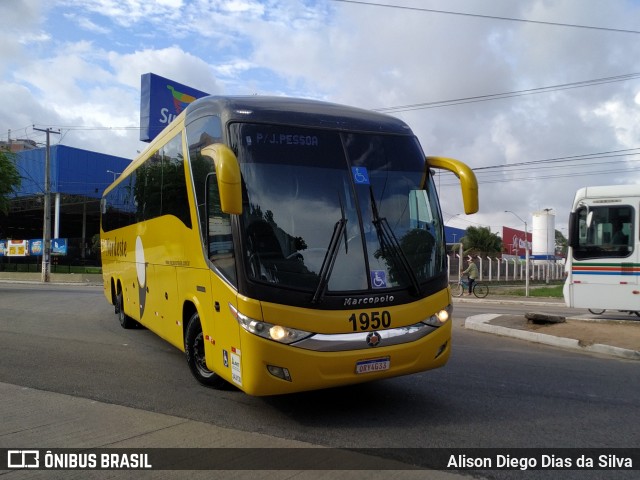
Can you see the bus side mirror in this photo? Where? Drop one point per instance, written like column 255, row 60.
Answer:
column 576, row 224
column 468, row 181
column 572, row 234
column 228, row 177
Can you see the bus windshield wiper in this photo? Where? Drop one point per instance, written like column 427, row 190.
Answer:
column 389, row 245
column 329, row 259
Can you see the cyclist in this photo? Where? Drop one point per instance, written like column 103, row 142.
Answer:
column 472, row 273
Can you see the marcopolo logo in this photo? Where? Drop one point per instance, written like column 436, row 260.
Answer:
column 349, row 301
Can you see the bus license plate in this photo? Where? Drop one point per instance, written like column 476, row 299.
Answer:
column 373, row 365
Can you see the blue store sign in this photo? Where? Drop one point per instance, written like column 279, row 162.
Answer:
column 162, row 100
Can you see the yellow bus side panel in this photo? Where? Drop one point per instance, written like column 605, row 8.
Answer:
column 147, row 270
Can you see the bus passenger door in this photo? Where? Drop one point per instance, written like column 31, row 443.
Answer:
column 221, row 255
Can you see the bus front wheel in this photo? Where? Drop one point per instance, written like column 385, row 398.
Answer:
column 194, row 350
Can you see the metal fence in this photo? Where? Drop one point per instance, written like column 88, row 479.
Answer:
column 507, row 269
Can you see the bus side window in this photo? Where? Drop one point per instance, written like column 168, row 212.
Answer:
column 619, row 236
column 201, row 133
column 219, row 239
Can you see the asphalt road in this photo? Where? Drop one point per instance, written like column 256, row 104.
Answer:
column 494, row 392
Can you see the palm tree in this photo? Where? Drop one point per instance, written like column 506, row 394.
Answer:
column 480, row 241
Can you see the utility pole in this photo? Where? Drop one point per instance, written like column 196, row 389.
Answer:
column 46, row 229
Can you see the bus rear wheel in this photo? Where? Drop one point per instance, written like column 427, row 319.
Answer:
column 125, row 320
column 194, row 350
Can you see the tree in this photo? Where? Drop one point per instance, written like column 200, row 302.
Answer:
column 95, row 247
column 561, row 243
column 480, row 241
column 10, row 179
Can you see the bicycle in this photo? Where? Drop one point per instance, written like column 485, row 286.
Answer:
column 480, row 290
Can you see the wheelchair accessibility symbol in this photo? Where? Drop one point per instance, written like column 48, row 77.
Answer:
column 360, row 175
column 378, row 279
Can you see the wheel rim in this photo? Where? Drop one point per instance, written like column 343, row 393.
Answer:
column 199, row 358
column 121, row 315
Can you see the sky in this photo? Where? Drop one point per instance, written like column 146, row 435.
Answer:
column 538, row 97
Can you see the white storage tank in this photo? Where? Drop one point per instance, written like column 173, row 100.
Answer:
column 543, row 235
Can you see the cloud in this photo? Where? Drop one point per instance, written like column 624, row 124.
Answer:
column 86, row 23
column 126, row 13
column 171, row 62
column 19, row 28
column 367, row 56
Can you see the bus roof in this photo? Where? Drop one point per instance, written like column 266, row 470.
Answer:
column 294, row 111
column 607, row 191
column 277, row 110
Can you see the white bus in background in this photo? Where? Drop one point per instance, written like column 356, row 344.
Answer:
column 603, row 261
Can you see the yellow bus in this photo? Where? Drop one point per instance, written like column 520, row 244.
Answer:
column 284, row 244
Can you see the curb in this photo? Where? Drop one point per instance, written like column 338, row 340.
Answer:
column 481, row 323
column 509, row 301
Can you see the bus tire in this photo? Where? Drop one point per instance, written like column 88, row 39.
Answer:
column 194, row 350
column 125, row 320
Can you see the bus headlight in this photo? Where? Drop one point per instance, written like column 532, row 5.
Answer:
column 277, row 333
column 439, row 318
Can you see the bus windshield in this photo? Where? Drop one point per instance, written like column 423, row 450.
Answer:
column 328, row 211
column 603, row 232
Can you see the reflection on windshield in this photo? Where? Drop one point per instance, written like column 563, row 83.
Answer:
column 299, row 183
column 391, row 250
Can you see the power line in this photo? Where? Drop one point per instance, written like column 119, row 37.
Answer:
column 97, row 128
column 581, row 165
column 564, row 175
column 516, row 93
column 586, row 156
column 15, row 134
column 423, row 105
column 489, row 17
column 572, row 174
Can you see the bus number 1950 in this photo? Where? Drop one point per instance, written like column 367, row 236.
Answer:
column 374, row 320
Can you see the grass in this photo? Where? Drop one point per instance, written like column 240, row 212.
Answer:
column 554, row 291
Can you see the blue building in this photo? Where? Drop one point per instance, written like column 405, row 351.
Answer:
column 453, row 235
column 77, row 179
